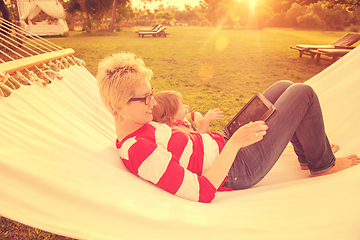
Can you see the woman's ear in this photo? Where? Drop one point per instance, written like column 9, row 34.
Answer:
column 122, row 110
column 118, row 108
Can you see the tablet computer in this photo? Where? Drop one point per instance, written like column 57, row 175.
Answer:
column 258, row 108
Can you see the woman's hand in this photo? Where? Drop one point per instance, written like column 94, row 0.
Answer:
column 249, row 134
column 244, row 136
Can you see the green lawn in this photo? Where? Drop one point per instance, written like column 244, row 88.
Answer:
column 210, row 67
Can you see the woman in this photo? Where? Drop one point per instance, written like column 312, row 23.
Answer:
column 193, row 165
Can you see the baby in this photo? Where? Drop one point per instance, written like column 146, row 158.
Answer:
column 170, row 109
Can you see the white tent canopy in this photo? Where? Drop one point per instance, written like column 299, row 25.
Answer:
column 28, row 9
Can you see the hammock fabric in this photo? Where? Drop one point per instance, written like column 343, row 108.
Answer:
column 60, row 172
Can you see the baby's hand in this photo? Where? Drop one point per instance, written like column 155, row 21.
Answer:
column 213, row 115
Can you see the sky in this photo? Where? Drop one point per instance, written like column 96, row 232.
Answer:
column 153, row 5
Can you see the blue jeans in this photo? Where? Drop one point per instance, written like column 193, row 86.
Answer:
column 298, row 119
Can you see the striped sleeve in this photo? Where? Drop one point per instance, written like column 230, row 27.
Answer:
column 154, row 163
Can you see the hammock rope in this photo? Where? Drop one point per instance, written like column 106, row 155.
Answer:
column 29, row 59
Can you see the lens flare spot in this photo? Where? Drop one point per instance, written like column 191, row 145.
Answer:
column 235, row 16
column 206, row 72
column 222, row 43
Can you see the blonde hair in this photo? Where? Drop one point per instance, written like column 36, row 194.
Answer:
column 118, row 75
column 168, row 104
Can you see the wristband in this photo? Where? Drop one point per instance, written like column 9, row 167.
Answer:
column 193, row 115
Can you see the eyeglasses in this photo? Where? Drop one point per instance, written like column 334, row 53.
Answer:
column 146, row 99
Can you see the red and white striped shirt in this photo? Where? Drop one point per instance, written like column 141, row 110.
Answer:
column 172, row 159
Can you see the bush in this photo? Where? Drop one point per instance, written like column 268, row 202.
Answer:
column 333, row 19
column 354, row 28
column 278, row 20
column 315, row 16
column 354, row 18
column 164, row 17
column 194, row 22
column 310, row 21
column 291, row 16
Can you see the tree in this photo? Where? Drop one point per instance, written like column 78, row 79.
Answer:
column 6, row 29
column 335, row 18
column 278, row 6
column 258, row 15
column 164, row 17
column 211, row 7
column 315, row 16
column 292, row 15
column 310, row 21
column 350, row 5
column 94, row 9
column 233, row 13
column 97, row 9
column 6, row 14
column 72, row 8
column 190, row 15
column 119, row 7
column 282, row 6
column 354, row 18
column 113, row 16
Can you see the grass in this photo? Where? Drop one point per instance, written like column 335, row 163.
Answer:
column 11, row 230
column 210, row 67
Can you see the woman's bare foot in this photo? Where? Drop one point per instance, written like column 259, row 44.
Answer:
column 334, row 149
column 342, row 164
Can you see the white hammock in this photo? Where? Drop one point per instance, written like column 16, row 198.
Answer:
column 60, row 172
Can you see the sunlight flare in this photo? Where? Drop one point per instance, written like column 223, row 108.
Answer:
column 221, row 43
column 252, row 5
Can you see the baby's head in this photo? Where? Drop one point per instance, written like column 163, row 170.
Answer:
column 169, row 107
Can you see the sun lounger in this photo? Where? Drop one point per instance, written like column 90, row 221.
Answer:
column 333, row 53
column 159, row 32
column 155, row 28
column 344, row 42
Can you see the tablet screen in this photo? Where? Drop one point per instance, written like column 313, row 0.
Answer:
column 256, row 109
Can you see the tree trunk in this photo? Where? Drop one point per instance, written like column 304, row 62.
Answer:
column 72, row 22
column 5, row 11
column 83, row 6
column 113, row 17
column 4, row 29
